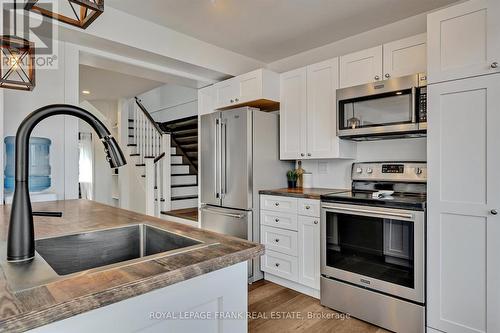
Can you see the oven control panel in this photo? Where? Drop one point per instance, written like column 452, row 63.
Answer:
column 390, row 171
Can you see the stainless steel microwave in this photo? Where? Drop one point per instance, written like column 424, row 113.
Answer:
column 386, row 109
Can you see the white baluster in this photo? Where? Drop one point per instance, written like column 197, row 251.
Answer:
column 166, row 179
column 150, row 187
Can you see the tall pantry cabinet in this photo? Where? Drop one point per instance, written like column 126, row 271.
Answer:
column 463, row 227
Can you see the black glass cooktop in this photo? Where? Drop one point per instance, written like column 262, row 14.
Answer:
column 396, row 200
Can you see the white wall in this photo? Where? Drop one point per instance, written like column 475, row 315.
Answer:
column 337, row 173
column 52, row 86
column 170, row 102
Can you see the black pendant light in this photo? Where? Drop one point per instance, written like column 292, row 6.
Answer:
column 17, row 61
column 84, row 11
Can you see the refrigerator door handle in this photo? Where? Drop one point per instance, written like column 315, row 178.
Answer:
column 216, row 170
column 216, row 212
column 223, row 145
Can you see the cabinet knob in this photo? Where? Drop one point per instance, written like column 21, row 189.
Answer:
column 494, row 64
column 277, row 264
column 494, row 212
column 276, row 204
column 377, row 77
column 276, row 220
column 232, row 101
column 309, row 154
column 315, row 222
column 236, row 100
column 387, row 75
column 277, row 240
column 302, row 154
column 308, row 207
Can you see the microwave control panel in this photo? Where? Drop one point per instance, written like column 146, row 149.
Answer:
column 422, row 105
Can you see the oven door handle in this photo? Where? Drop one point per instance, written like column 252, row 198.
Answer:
column 369, row 211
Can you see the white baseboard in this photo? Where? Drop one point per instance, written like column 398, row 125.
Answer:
column 292, row 285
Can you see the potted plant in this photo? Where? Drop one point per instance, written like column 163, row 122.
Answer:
column 291, row 176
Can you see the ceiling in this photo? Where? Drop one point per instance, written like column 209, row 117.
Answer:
column 269, row 30
column 109, row 85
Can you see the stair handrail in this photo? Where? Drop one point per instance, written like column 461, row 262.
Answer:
column 148, row 116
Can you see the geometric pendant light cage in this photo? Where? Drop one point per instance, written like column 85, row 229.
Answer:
column 17, row 63
column 79, row 13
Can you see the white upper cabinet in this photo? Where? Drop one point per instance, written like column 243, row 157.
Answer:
column 259, row 88
column 308, row 114
column 322, row 82
column 405, row 56
column 206, row 100
column 463, row 223
column 293, row 104
column 464, row 40
column 361, row 67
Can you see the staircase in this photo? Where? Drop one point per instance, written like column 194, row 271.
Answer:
column 184, row 161
column 166, row 163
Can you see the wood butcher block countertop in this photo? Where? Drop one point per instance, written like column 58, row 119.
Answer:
column 307, row 193
column 81, row 292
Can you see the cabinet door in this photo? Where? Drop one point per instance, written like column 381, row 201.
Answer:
column 249, row 87
column 322, row 82
column 463, row 232
column 226, row 92
column 293, row 106
column 309, row 256
column 464, row 40
column 405, row 56
column 361, row 67
column 206, row 100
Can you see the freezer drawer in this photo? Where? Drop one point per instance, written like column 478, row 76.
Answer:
column 231, row 222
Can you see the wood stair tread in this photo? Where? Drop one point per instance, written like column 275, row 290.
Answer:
column 184, row 197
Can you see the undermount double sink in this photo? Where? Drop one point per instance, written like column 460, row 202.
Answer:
column 59, row 257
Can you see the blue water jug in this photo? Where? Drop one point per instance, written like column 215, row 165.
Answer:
column 39, row 169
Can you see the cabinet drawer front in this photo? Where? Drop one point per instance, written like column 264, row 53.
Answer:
column 309, row 207
column 278, row 220
column 284, row 241
column 278, row 204
column 280, row 264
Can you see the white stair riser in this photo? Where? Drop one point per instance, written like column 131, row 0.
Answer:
column 180, row 169
column 187, row 203
column 176, row 159
column 183, row 191
column 183, row 180
column 173, row 151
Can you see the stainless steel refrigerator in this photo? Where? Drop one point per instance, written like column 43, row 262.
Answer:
column 239, row 156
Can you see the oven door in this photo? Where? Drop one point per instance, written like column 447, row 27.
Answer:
column 377, row 248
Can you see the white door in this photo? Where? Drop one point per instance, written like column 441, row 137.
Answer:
column 322, row 82
column 361, row 67
column 309, row 247
column 464, row 40
column 249, row 86
column 226, row 92
column 293, row 106
column 206, row 100
column 405, row 56
column 463, row 232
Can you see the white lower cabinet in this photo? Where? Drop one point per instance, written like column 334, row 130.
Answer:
column 290, row 234
column 309, row 249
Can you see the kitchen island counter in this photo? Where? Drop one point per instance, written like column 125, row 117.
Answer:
column 88, row 290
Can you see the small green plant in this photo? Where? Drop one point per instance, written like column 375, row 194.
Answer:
column 291, row 175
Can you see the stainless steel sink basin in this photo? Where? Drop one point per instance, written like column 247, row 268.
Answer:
column 62, row 257
column 79, row 252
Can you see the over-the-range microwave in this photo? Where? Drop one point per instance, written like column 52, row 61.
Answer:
column 386, row 109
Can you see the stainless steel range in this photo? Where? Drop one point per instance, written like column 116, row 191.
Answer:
column 373, row 246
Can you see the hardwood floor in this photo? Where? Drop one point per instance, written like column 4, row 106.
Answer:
column 186, row 213
column 276, row 309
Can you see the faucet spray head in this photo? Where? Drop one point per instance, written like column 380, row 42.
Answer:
column 114, row 154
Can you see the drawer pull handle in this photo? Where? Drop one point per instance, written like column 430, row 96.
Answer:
column 277, row 240
column 276, row 220
column 315, row 222
column 276, row 204
column 308, row 207
column 277, row 264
